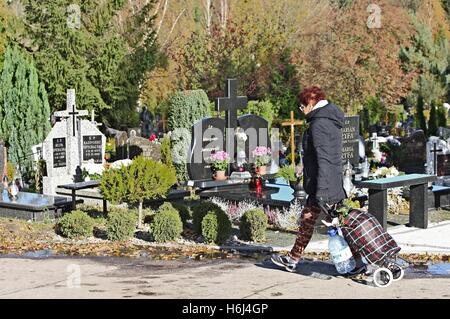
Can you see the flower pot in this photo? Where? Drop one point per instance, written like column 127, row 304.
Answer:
column 220, row 176
column 261, row 170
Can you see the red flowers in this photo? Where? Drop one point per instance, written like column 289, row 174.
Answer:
column 152, row 137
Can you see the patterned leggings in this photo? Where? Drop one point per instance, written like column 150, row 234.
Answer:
column 307, row 221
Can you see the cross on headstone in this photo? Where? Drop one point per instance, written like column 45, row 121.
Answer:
column 435, row 151
column 375, row 139
column 71, row 110
column 292, row 123
column 231, row 103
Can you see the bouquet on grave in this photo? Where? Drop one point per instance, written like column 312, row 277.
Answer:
column 262, row 156
column 220, row 161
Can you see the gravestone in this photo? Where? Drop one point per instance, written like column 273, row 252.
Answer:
column 444, row 133
column 443, row 165
column 207, row 137
column 350, row 140
column 120, row 140
column 435, row 146
column 257, row 130
column 411, row 156
column 142, row 146
column 73, row 144
column 212, row 134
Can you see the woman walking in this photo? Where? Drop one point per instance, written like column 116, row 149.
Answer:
column 322, row 167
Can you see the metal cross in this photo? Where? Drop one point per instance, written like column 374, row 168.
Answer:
column 435, row 151
column 74, row 114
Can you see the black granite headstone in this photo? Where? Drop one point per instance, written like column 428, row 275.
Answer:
column 207, row 137
column 443, row 165
column 350, row 140
column 257, row 130
column 412, row 154
column 59, row 152
column 92, row 148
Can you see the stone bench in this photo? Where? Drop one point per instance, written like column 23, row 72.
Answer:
column 378, row 205
column 439, row 191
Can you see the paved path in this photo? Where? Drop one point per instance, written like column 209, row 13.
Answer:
column 140, row 278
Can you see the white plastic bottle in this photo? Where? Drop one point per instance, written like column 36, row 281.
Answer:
column 340, row 252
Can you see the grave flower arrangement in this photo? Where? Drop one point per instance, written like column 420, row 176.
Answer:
column 292, row 174
column 262, row 156
column 219, row 163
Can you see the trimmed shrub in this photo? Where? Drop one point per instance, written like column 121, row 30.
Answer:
column 199, row 211
column 184, row 211
column 253, row 225
column 216, row 227
column 166, row 225
column 76, row 224
column 185, row 108
column 142, row 179
column 121, row 225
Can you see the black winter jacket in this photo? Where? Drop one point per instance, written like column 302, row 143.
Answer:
column 322, row 155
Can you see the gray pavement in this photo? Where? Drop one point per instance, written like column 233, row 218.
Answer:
column 223, row 279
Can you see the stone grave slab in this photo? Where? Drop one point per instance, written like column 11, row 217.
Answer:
column 207, row 137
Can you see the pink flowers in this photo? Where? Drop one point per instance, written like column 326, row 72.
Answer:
column 262, row 156
column 220, row 160
column 261, row 151
column 220, row 156
column 152, row 138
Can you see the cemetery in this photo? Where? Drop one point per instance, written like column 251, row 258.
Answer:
column 156, row 151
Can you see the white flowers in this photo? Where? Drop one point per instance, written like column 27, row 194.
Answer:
column 386, row 172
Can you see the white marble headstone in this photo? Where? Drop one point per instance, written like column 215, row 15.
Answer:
column 64, row 151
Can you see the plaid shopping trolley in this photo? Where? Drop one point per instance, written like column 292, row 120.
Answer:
column 366, row 237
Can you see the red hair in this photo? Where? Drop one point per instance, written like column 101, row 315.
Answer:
column 311, row 93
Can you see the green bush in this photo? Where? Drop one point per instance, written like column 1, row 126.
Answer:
column 264, row 109
column 166, row 151
column 216, row 227
column 184, row 211
column 185, row 108
column 76, row 224
column 253, row 225
column 121, row 225
column 166, row 224
column 199, row 211
column 143, row 179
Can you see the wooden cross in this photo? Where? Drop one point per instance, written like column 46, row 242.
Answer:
column 292, row 123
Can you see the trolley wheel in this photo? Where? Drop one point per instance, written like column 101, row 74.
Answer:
column 382, row 277
column 397, row 272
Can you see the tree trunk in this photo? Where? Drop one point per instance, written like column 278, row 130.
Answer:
column 140, row 215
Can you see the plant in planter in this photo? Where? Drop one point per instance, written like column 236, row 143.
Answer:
column 262, row 156
column 219, row 163
column 294, row 176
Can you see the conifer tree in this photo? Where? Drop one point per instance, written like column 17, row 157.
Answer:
column 24, row 108
column 420, row 117
column 433, row 121
column 442, row 116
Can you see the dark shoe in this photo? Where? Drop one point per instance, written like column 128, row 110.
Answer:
column 284, row 261
column 357, row 272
